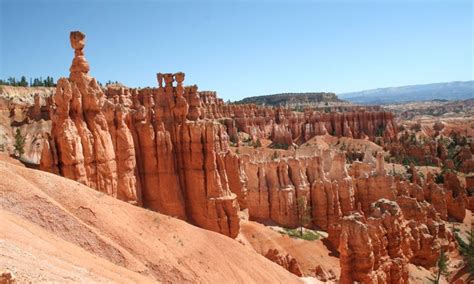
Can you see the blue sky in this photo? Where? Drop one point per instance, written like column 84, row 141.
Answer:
column 245, row 48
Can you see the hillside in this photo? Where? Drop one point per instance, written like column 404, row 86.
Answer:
column 438, row 91
column 294, row 99
column 57, row 230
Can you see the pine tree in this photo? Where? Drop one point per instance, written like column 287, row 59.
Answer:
column 467, row 251
column 304, row 214
column 23, row 82
column 442, row 267
column 11, row 81
column 36, row 82
column 19, row 143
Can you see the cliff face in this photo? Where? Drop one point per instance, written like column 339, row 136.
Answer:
column 147, row 147
column 284, row 126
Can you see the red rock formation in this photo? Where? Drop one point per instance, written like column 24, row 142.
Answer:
column 66, row 137
column 356, row 251
column 324, row 276
column 7, row 278
column 49, row 160
column 401, row 225
column 375, row 250
column 140, row 146
column 128, row 185
column 237, row 178
column 456, row 198
column 285, row 127
column 286, row 261
column 436, row 195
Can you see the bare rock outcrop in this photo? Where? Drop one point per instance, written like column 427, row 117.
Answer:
column 286, row 261
column 375, row 250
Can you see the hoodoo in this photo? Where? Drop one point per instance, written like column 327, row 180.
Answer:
column 140, row 146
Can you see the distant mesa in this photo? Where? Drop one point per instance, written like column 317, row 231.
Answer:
column 295, row 99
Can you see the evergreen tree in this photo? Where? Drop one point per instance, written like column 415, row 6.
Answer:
column 23, row 82
column 442, row 267
column 36, row 82
column 19, row 143
column 467, row 251
column 33, row 82
column 11, row 81
column 304, row 213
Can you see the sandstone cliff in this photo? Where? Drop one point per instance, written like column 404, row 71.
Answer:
column 140, row 146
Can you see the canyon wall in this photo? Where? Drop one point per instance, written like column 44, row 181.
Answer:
column 284, row 126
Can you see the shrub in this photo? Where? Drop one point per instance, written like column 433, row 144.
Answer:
column 233, row 139
column 416, row 127
column 275, row 155
column 307, row 234
column 247, row 140
column 257, row 144
column 439, row 178
column 438, row 126
column 283, row 146
column 380, row 131
column 407, row 160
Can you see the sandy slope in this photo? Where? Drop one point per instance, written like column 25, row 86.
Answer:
column 309, row 254
column 54, row 229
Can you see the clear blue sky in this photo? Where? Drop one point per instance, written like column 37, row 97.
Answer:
column 245, row 48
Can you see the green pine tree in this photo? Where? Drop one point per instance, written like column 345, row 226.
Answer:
column 19, row 143
column 467, row 251
column 304, row 213
column 442, row 267
column 23, row 82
